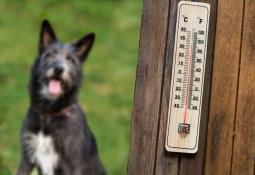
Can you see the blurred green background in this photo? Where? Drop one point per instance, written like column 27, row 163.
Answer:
column 107, row 93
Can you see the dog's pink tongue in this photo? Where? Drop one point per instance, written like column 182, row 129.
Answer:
column 54, row 87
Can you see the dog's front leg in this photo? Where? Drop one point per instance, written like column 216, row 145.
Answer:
column 25, row 168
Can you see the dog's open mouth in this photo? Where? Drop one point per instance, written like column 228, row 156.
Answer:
column 54, row 87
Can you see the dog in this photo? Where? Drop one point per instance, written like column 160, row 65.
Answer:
column 55, row 137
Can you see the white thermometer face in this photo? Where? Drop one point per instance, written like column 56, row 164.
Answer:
column 187, row 81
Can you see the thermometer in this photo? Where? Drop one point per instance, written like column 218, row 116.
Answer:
column 188, row 71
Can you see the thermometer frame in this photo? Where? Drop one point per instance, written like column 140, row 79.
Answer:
column 182, row 135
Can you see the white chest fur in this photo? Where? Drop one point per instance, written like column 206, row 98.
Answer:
column 42, row 152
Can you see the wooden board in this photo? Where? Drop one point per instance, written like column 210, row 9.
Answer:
column 244, row 142
column 167, row 163
column 144, row 132
column 224, row 87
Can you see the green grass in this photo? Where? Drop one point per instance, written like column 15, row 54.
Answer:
column 107, row 92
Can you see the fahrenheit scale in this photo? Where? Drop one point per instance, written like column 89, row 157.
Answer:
column 188, row 73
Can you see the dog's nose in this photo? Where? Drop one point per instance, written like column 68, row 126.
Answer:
column 58, row 70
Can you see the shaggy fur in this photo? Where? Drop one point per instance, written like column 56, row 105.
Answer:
column 55, row 137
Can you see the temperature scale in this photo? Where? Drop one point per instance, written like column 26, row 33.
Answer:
column 188, row 71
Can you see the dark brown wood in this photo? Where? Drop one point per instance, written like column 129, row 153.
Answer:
column 224, row 87
column 167, row 163
column 145, row 118
column 244, row 143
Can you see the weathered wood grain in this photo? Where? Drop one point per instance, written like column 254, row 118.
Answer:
column 167, row 163
column 146, row 108
column 224, row 87
column 244, row 142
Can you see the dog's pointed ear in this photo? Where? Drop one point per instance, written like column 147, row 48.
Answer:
column 83, row 46
column 47, row 35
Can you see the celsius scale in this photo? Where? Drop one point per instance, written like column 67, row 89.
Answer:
column 188, row 72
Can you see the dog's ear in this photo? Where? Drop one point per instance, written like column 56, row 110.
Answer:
column 83, row 46
column 47, row 35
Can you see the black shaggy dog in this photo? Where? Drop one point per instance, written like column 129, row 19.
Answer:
column 55, row 137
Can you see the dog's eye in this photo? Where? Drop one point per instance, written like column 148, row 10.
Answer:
column 69, row 58
column 49, row 55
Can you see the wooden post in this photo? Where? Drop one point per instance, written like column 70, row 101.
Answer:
column 224, row 87
column 144, row 134
column 227, row 131
column 244, row 143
